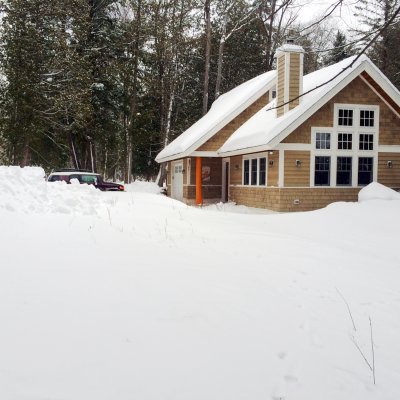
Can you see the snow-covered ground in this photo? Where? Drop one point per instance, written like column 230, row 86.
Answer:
column 136, row 296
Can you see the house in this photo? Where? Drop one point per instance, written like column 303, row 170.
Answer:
column 289, row 143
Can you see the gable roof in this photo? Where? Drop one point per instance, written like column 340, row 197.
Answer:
column 265, row 130
column 223, row 110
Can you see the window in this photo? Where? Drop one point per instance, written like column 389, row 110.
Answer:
column 345, row 117
column 246, row 172
column 365, row 165
column 366, row 142
column 254, row 169
column 322, row 171
column 323, row 140
column 262, row 178
column 367, row 118
column 89, row 179
column 343, row 173
column 345, row 141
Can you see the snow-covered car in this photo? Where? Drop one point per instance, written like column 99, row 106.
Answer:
column 90, row 178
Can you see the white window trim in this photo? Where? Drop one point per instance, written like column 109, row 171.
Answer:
column 252, row 157
column 354, row 153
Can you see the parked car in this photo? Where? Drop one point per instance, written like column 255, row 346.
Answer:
column 90, row 178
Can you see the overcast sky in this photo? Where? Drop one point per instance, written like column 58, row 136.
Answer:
column 343, row 16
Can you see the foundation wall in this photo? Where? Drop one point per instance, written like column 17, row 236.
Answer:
column 291, row 199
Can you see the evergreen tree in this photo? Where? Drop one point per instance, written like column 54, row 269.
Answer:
column 340, row 49
column 382, row 16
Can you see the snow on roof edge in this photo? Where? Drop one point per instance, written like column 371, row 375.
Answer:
column 267, row 81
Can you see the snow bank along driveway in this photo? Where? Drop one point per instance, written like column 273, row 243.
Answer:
column 136, row 296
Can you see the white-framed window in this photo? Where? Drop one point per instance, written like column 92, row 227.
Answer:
column 367, row 118
column 255, row 170
column 365, row 170
column 345, row 141
column 366, row 141
column 322, row 171
column 345, row 116
column 351, row 146
column 322, row 140
column 344, row 168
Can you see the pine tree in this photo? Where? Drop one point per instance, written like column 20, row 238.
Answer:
column 385, row 52
column 340, row 49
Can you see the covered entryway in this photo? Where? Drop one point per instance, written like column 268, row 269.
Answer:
column 177, row 181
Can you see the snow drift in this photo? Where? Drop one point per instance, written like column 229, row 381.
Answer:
column 25, row 190
column 149, row 299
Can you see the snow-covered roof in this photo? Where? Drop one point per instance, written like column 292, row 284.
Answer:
column 265, row 130
column 224, row 109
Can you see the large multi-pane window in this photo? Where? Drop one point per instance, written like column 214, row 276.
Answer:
column 365, row 168
column 323, row 140
column 346, row 153
column 345, row 117
column 345, row 141
column 367, row 118
column 343, row 172
column 255, row 171
column 322, row 171
column 366, row 141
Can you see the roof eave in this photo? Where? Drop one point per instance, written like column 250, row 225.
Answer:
column 218, row 127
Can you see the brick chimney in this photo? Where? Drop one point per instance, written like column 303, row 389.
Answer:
column 289, row 83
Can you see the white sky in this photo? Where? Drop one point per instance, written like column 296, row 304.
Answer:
column 343, row 16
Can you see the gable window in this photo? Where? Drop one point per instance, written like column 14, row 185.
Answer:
column 322, row 171
column 366, row 142
column 322, row 141
column 365, row 168
column 255, row 171
column 343, row 172
column 345, row 141
column 345, row 117
column 367, row 118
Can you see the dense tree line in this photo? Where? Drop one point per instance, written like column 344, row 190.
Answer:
column 106, row 84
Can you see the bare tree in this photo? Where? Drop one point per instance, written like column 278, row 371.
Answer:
column 207, row 18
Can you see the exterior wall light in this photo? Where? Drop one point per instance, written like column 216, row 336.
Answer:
column 390, row 164
column 298, row 163
column 271, row 163
column 237, row 166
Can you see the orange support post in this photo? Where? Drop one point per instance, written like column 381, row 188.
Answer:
column 199, row 193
